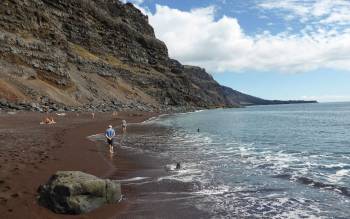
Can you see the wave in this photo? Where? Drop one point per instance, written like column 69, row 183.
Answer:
column 219, row 190
column 153, row 119
column 338, row 166
column 158, row 118
column 316, row 184
column 133, row 179
column 234, row 172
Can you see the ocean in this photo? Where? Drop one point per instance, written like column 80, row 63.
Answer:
column 278, row 161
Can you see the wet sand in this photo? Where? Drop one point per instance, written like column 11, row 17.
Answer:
column 30, row 153
column 149, row 186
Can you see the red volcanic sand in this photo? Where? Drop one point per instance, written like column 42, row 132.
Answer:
column 30, row 153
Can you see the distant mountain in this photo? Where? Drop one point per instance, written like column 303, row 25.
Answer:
column 97, row 54
column 248, row 100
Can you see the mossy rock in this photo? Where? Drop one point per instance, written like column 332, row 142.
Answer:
column 75, row 192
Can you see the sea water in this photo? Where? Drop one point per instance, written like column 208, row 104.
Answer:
column 280, row 161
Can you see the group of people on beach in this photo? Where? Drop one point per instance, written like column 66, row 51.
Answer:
column 110, row 135
column 48, row 120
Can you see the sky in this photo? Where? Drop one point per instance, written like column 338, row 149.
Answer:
column 273, row 49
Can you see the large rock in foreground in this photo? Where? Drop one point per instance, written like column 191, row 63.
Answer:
column 75, row 192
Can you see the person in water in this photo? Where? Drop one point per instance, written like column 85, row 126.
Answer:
column 124, row 125
column 172, row 167
column 109, row 134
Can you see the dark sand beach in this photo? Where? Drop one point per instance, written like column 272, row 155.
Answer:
column 147, row 176
column 30, row 153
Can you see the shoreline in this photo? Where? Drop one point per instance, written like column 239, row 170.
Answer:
column 139, row 165
column 148, row 183
column 41, row 150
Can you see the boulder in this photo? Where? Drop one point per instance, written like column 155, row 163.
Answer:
column 75, row 192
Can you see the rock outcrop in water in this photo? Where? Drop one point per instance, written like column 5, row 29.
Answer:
column 96, row 55
column 74, row 192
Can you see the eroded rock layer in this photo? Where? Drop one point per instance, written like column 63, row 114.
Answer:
column 99, row 54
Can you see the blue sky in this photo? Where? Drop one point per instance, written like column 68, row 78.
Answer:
column 288, row 49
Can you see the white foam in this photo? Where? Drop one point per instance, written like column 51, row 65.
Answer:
column 185, row 174
column 214, row 191
column 244, row 151
column 339, row 175
column 138, row 178
column 170, row 167
column 94, row 136
column 342, row 172
column 337, row 165
column 297, row 214
column 152, row 120
column 198, row 111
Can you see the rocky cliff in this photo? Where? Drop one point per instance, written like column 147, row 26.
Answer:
column 99, row 54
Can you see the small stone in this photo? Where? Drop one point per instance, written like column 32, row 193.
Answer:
column 15, row 195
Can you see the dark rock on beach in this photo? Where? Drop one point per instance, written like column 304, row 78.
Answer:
column 75, row 192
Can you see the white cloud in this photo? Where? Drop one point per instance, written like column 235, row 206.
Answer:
column 195, row 37
column 136, row 2
column 325, row 11
column 287, row 5
column 328, row 98
column 341, row 18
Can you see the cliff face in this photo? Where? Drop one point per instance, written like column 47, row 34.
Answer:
column 99, row 53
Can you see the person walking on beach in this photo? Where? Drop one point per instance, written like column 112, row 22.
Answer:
column 115, row 115
column 110, row 133
column 124, row 125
